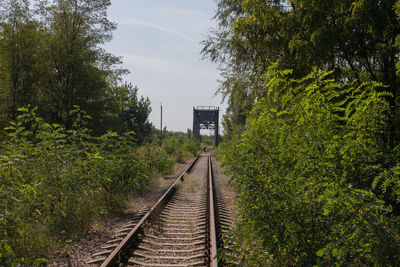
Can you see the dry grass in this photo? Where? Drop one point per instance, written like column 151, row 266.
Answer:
column 190, row 184
column 153, row 190
column 154, row 182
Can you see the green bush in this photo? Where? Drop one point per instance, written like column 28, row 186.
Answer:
column 312, row 171
column 191, row 146
column 156, row 158
column 180, row 148
column 54, row 182
column 171, row 144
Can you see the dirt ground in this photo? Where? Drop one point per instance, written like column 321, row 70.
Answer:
column 78, row 252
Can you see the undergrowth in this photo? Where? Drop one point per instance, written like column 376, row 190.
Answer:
column 54, row 182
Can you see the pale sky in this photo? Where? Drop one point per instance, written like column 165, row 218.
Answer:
column 159, row 41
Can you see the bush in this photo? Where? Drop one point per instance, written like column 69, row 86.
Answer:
column 54, row 182
column 156, row 158
column 191, row 145
column 307, row 171
column 181, row 148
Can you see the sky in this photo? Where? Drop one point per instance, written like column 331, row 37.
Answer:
column 159, row 41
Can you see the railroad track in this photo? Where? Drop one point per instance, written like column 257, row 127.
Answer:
column 184, row 228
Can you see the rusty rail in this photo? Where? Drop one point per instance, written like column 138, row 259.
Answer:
column 213, row 228
column 118, row 253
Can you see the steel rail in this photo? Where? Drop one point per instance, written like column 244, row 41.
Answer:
column 118, row 253
column 213, row 229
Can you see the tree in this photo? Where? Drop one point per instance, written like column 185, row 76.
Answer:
column 51, row 57
column 83, row 70
column 356, row 39
column 19, row 36
column 313, row 133
column 136, row 113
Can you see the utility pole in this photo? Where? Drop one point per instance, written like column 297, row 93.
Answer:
column 161, row 129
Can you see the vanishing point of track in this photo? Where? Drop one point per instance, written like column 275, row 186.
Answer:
column 183, row 228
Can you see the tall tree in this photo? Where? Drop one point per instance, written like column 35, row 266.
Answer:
column 51, row 57
column 77, row 28
column 19, row 37
column 356, row 39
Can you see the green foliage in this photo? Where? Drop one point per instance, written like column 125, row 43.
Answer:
column 171, row 144
column 20, row 63
column 208, row 140
column 136, row 114
column 191, row 145
column 314, row 156
column 180, row 147
column 51, row 56
column 355, row 39
column 54, row 182
column 317, row 184
column 156, row 158
column 83, row 72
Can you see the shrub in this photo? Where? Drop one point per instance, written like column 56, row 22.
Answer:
column 305, row 171
column 156, row 158
column 181, row 148
column 191, row 145
column 54, row 182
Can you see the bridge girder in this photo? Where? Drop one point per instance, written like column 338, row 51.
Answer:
column 206, row 117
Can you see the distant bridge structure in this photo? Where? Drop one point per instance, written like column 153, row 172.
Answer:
column 206, row 117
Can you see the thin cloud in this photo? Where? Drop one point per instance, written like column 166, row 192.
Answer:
column 155, row 64
column 133, row 21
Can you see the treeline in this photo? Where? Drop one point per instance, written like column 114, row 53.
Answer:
column 51, row 57
column 312, row 130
